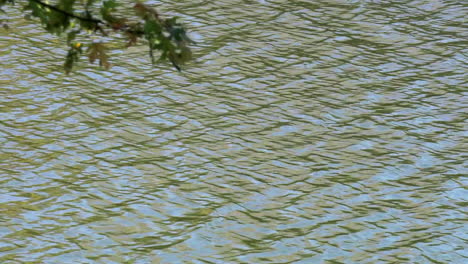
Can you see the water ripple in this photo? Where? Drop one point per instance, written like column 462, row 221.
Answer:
column 324, row 132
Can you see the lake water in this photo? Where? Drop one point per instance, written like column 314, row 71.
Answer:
column 303, row 132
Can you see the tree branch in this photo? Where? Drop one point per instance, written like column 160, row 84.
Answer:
column 51, row 7
column 166, row 33
column 96, row 21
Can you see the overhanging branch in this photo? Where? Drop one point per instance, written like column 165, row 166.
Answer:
column 96, row 21
column 56, row 9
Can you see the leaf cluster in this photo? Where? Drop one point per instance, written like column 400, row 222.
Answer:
column 168, row 36
column 84, row 17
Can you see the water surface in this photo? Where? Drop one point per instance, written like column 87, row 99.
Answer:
column 304, row 132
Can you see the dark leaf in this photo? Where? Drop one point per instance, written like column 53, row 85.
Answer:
column 72, row 35
column 98, row 51
column 72, row 57
column 132, row 38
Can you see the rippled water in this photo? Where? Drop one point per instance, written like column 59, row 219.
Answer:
column 304, row 132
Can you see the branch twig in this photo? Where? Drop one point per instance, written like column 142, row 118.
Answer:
column 51, row 7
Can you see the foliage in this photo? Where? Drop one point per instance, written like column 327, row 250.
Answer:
column 80, row 18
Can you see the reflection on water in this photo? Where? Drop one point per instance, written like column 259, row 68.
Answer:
column 305, row 132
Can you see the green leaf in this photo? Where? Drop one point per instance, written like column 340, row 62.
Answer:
column 72, row 35
column 151, row 29
column 110, row 4
column 72, row 57
column 66, row 5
